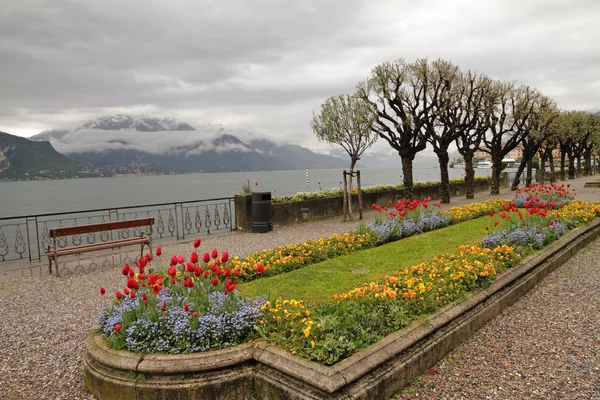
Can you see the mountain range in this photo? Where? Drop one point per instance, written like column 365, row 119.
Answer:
column 133, row 144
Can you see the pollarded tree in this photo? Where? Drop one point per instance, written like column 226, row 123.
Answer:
column 404, row 99
column 574, row 137
column 593, row 128
column 448, row 115
column 346, row 120
column 471, row 119
column 508, row 124
column 540, row 127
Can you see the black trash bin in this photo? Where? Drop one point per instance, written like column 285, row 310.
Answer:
column 261, row 212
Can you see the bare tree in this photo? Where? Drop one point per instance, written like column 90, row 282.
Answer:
column 448, row 115
column 471, row 120
column 540, row 127
column 403, row 98
column 508, row 125
column 346, row 120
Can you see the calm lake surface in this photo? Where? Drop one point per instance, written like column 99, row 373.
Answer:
column 40, row 197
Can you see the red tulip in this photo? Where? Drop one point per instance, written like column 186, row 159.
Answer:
column 496, row 223
column 142, row 263
column 172, row 271
column 492, row 213
column 227, row 272
column 506, row 207
column 197, row 271
column 132, row 284
column 190, row 267
column 158, row 251
column 214, row 281
column 117, row 328
column 236, row 272
column 132, row 294
column 164, row 306
column 195, row 313
column 186, row 308
column 180, row 259
column 144, row 296
column 173, row 260
column 125, row 270
column 194, row 257
column 487, row 228
column 197, row 243
column 225, row 257
column 148, row 257
column 126, row 291
column 206, row 257
column 260, row 269
column 215, row 253
column 205, row 275
column 102, row 291
column 141, row 276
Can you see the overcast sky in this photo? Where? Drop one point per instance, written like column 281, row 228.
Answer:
column 265, row 65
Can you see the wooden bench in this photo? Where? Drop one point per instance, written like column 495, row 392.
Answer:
column 54, row 252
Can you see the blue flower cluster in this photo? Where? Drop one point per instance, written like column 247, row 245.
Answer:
column 222, row 324
column 394, row 228
column 520, row 202
column 533, row 236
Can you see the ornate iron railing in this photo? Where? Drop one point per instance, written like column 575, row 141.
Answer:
column 26, row 237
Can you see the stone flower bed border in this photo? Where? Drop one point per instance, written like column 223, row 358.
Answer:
column 263, row 371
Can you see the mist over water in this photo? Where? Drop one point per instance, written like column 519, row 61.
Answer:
column 40, row 197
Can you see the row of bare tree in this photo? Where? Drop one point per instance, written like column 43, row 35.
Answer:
column 411, row 105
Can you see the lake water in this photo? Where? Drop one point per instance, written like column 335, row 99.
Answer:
column 40, row 197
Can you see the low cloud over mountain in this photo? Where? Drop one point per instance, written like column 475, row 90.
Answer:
column 167, row 145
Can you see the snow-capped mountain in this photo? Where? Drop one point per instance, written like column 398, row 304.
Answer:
column 140, row 123
column 151, row 144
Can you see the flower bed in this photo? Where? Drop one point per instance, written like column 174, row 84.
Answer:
column 194, row 307
column 356, row 319
column 293, row 256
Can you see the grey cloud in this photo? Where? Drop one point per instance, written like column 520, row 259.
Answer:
column 185, row 143
column 265, row 65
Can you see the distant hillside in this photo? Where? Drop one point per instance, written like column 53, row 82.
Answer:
column 21, row 158
column 297, row 157
column 123, row 144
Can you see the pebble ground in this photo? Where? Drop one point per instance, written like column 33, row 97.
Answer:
column 546, row 346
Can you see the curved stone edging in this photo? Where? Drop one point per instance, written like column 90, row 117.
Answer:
column 264, row 371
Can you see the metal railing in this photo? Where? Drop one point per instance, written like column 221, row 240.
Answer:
column 25, row 237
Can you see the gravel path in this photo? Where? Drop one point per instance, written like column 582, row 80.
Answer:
column 45, row 321
column 546, row 346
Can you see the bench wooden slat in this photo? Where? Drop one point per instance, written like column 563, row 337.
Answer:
column 98, row 246
column 101, row 227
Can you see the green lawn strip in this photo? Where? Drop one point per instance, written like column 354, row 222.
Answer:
column 319, row 282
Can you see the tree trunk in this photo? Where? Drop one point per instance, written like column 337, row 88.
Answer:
column 407, row 172
column 520, row 170
column 444, row 159
column 542, row 167
column 552, row 169
column 588, row 163
column 345, row 196
column 578, row 169
column 496, row 169
column 469, row 176
column 352, row 164
column 563, row 155
column 571, row 167
column 529, row 178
